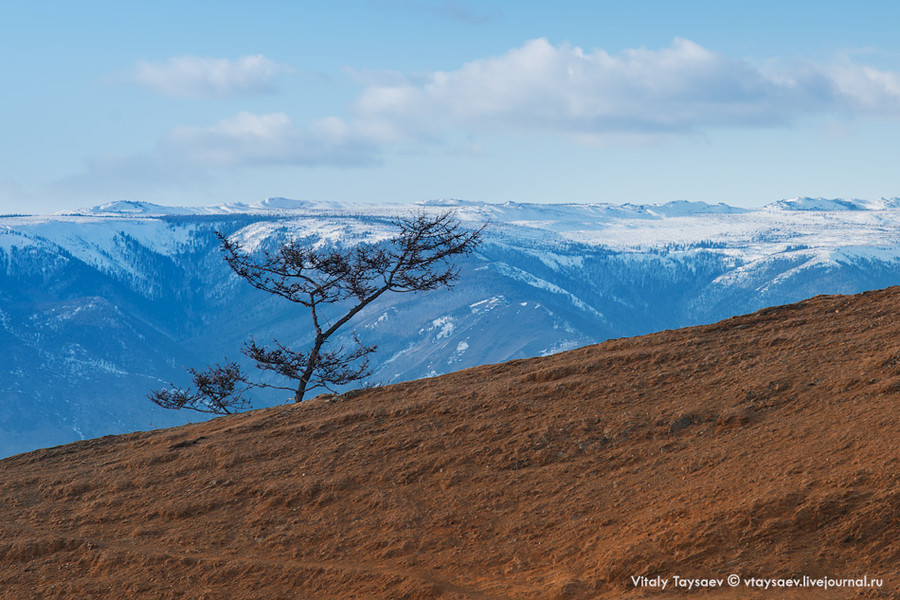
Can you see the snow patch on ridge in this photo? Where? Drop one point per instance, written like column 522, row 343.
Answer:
column 824, row 204
column 445, row 325
column 539, row 283
column 486, row 305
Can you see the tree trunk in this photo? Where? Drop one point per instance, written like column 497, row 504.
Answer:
column 311, row 365
column 301, row 389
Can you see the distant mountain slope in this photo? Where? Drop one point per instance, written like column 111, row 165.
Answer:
column 99, row 307
column 763, row 446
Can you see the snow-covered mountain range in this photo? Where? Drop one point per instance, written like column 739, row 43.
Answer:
column 100, row 306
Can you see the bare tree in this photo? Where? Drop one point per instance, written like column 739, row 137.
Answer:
column 220, row 389
column 420, row 257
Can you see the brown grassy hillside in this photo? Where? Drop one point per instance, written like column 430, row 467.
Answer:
column 766, row 445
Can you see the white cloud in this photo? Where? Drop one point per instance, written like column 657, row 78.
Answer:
column 867, row 90
column 188, row 155
column 248, row 139
column 542, row 88
column 197, row 77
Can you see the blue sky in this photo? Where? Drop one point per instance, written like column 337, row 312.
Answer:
column 406, row 100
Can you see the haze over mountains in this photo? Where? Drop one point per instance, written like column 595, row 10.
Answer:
column 100, row 306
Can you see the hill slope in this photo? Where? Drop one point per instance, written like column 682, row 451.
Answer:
column 764, row 445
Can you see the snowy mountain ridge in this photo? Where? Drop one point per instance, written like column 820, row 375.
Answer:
column 99, row 307
column 746, row 234
column 678, row 222
column 671, row 208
